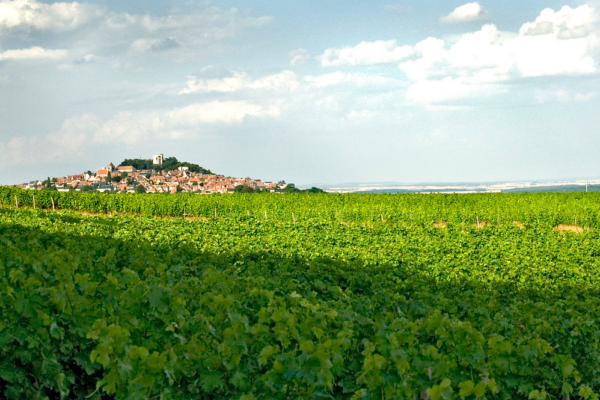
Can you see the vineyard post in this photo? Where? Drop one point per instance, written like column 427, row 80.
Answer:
column 266, row 218
column 498, row 219
column 478, row 221
column 248, row 212
column 215, row 212
column 294, row 217
column 52, row 200
column 381, row 217
column 33, row 196
column 16, row 201
column 575, row 222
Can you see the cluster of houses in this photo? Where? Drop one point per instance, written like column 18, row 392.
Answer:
column 126, row 179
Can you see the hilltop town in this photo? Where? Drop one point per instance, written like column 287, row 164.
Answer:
column 156, row 175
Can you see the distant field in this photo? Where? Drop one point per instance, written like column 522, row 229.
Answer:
column 299, row 296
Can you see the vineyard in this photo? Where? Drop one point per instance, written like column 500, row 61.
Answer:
column 299, row 296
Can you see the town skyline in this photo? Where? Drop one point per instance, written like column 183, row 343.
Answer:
column 157, row 179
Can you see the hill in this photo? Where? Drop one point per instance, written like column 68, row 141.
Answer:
column 169, row 164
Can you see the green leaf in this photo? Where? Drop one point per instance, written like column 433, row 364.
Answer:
column 138, row 353
column 211, row 381
column 479, row 390
column 585, row 391
column 441, row 391
column 493, row 387
column 157, row 296
column 466, row 388
column 537, row 395
column 307, row 346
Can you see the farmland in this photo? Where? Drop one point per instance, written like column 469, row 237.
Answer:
column 299, row 296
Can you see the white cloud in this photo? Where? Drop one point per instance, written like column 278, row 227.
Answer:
column 299, row 56
column 568, row 23
column 30, row 15
column 360, row 116
column 563, row 43
column 366, row 53
column 470, row 12
column 33, row 53
column 236, row 81
column 562, row 95
column 79, row 136
column 218, row 112
column 101, row 31
column 448, row 88
column 145, row 45
column 56, row 17
column 70, row 142
column 131, row 128
column 338, row 77
column 487, row 55
column 194, row 28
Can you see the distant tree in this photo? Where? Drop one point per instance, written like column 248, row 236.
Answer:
column 290, row 188
column 108, row 179
column 140, row 189
column 315, row 190
column 148, row 176
column 137, row 163
column 124, row 175
column 87, row 189
column 48, row 185
column 244, row 189
column 116, row 179
column 169, row 164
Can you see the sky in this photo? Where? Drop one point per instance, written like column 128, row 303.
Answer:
column 311, row 92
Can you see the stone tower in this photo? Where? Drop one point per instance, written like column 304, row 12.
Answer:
column 158, row 160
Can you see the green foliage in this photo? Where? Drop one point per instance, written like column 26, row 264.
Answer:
column 356, row 297
column 140, row 189
column 245, row 189
column 169, row 164
column 87, row 189
column 291, row 188
column 137, row 163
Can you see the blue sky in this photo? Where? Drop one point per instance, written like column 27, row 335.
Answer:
column 310, row 92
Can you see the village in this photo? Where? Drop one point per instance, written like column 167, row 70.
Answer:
column 127, row 179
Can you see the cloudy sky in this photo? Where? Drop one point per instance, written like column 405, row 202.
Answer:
column 306, row 91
